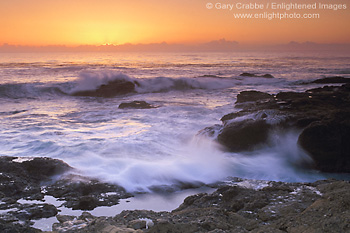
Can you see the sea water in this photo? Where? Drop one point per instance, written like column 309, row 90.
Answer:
column 142, row 149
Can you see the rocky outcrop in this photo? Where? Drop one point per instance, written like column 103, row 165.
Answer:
column 322, row 114
column 25, row 181
column 327, row 142
column 240, row 206
column 329, row 80
column 136, row 104
column 111, row 89
column 247, row 96
column 22, row 177
column 86, row 194
column 244, row 135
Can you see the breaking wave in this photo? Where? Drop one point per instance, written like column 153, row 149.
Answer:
column 92, row 80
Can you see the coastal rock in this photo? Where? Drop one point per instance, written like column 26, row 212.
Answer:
column 327, row 142
column 329, row 80
column 321, row 114
column 22, row 176
column 244, row 135
column 265, row 206
column 255, row 75
column 111, row 89
column 136, row 105
column 246, row 96
column 86, row 194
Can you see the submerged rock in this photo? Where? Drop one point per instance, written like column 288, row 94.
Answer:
column 136, row 104
column 111, row 89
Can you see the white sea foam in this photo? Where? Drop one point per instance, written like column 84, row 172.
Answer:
column 143, row 148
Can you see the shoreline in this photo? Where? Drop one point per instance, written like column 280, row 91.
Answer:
column 239, row 205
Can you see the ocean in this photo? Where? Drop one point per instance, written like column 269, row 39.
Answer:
column 144, row 149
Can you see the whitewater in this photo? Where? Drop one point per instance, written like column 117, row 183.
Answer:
column 146, row 149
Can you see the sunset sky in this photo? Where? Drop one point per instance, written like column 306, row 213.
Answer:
column 96, row 22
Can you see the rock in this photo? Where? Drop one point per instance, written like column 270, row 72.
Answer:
column 136, row 104
column 16, row 228
column 322, row 206
column 315, row 112
column 244, row 135
column 256, row 76
column 137, row 224
column 327, row 142
column 329, row 80
column 86, row 194
column 111, row 89
column 246, row 96
column 85, row 203
column 33, row 211
column 22, row 176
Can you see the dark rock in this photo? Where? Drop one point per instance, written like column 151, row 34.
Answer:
column 244, row 135
column 256, row 76
column 329, row 80
column 22, row 177
column 28, row 212
column 322, row 113
column 292, row 96
column 86, row 194
column 246, row 96
column 327, row 142
column 111, row 89
column 6, row 227
column 136, row 104
column 86, row 203
column 279, row 207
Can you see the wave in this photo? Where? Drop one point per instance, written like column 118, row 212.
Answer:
column 91, row 81
column 29, row 90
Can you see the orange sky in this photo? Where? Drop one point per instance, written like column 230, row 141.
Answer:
column 94, row 22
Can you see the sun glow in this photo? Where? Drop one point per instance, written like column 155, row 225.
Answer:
column 92, row 22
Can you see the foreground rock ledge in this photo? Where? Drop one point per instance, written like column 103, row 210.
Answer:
column 323, row 206
column 25, row 181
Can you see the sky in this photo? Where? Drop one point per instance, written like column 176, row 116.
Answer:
column 97, row 22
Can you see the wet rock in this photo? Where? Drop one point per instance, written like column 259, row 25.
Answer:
column 22, row 177
column 6, row 227
column 321, row 114
column 256, row 76
column 137, row 224
column 85, row 203
column 246, row 96
column 29, row 212
column 136, row 104
column 266, row 207
column 327, row 142
column 86, row 194
column 111, row 89
column 329, row 80
column 244, row 135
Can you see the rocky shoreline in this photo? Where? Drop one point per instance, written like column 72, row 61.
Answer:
column 237, row 205
column 322, row 115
